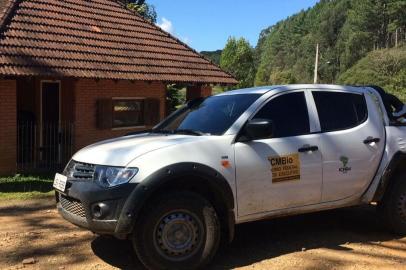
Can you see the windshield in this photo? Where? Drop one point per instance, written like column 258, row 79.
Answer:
column 213, row 115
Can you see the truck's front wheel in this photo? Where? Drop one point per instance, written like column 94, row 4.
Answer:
column 393, row 206
column 177, row 231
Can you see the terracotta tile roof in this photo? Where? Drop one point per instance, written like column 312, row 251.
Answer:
column 94, row 39
column 5, row 9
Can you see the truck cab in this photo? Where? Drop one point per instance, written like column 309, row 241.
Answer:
column 177, row 190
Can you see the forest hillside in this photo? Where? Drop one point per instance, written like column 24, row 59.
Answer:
column 355, row 38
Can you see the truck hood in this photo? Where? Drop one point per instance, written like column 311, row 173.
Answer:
column 121, row 151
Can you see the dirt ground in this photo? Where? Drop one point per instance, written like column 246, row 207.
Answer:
column 342, row 239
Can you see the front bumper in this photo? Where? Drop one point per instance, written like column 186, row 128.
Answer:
column 87, row 205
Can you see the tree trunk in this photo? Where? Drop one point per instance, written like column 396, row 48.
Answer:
column 387, row 40
column 396, row 38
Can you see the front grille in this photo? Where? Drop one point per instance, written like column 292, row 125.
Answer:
column 72, row 206
column 79, row 170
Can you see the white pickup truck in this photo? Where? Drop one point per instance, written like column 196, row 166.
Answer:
column 179, row 189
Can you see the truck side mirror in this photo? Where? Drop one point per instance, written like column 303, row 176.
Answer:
column 257, row 129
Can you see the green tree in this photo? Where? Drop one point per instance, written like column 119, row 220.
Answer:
column 364, row 30
column 385, row 67
column 238, row 59
column 174, row 97
column 282, row 77
column 397, row 18
column 144, row 9
column 346, row 31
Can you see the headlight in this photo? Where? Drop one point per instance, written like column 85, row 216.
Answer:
column 113, row 176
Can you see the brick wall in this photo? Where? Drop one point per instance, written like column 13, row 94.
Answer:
column 206, row 91
column 8, row 130
column 197, row 91
column 88, row 91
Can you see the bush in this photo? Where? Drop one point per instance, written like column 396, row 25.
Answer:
column 386, row 68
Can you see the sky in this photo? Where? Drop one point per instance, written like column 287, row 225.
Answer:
column 206, row 25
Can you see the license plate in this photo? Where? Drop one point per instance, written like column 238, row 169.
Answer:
column 60, row 182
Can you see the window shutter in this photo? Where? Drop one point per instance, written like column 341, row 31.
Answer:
column 152, row 111
column 105, row 113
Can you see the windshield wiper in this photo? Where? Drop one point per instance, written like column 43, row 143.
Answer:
column 189, row 132
column 179, row 131
column 162, row 131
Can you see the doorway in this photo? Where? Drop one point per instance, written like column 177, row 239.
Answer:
column 44, row 133
column 50, row 121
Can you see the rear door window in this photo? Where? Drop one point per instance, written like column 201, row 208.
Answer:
column 339, row 111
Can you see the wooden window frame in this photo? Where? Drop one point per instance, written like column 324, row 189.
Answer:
column 126, row 127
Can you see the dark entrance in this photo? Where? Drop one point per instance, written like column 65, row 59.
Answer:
column 44, row 139
column 50, row 116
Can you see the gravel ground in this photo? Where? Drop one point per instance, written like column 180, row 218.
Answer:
column 342, row 239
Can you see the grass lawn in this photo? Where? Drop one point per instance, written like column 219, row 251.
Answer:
column 25, row 187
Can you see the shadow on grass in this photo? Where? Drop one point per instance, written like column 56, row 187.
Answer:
column 26, row 184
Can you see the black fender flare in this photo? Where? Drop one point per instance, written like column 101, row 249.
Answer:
column 144, row 190
column 396, row 165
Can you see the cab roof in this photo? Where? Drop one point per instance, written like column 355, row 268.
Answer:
column 282, row 88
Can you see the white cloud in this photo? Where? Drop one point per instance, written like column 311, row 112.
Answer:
column 186, row 40
column 167, row 25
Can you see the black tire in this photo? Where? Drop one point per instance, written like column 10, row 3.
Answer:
column 179, row 230
column 392, row 208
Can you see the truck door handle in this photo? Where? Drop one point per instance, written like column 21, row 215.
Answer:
column 309, row 148
column 370, row 140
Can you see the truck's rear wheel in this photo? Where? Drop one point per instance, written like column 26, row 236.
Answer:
column 178, row 231
column 393, row 206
